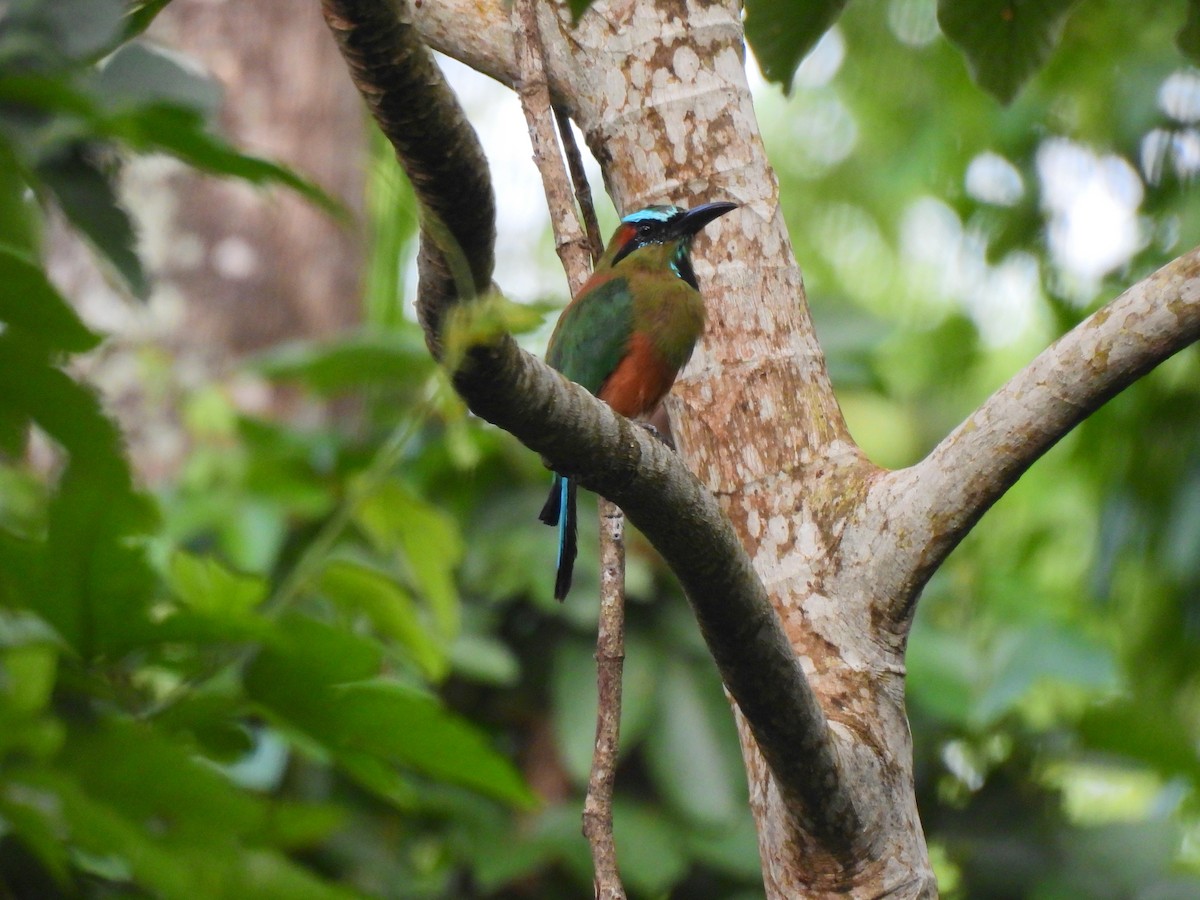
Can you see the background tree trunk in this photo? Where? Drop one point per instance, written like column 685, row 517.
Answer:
column 234, row 269
column 285, row 269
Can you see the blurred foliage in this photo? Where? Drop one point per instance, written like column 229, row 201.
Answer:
column 325, row 660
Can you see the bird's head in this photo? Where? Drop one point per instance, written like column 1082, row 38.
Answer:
column 663, row 234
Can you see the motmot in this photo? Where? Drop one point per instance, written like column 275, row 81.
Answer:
column 628, row 332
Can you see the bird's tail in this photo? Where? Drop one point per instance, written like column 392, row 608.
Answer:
column 560, row 510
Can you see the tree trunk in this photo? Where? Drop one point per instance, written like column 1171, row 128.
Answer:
column 233, row 269
column 268, row 267
column 672, row 120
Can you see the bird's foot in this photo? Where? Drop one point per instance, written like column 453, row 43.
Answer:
column 663, row 438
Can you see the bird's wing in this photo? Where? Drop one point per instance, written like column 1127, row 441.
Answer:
column 593, row 333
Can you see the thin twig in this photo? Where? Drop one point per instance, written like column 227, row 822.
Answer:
column 610, row 660
column 583, row 190
column 610, row 636
column 569, row 239
column 574, row 249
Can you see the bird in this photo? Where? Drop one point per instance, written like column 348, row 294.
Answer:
column 627, row 333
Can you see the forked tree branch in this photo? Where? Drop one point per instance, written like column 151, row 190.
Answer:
column 936, row 502
column 569, row 237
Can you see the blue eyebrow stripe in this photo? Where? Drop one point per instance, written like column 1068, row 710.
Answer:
column 652, row 214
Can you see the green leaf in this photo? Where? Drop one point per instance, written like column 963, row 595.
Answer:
column 322, row 680
column 141, row 74
column 392, row 359
column 264, row 873
column 95, row 582
column 24, row 629
column 648, row 847
column 1188, row 38
column 296, row 825
column 27, row 675
column 578, row 8
column 181, row 132
column 503, row 854
column 20, row 224
column 392, row 220
column 398, row 722
column 378, row 776
column 212, row 718
column 692, row 748
column 86, row 196
column 138, row 835
column 305, row 660
column 478, row 657
column 1144, row 731
column 68, row 412
column 102, row 841
column 396, row 519
column 1026, row 657
column 483, row 321
column 208, row 587
column 150, row 778
column 29, row 302
column 99, row 584
column 32, row 815
column 390, row 609
column 79, row 29
column 942, row 671
column 1005, row 42
column 781, row 32
column 141, row 13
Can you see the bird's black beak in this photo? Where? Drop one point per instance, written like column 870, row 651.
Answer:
column 694, row 219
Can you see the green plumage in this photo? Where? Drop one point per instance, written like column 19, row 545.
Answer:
column 648, row 297
column 593, row 334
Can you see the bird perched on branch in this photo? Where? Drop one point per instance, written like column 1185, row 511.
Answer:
column 628, row 333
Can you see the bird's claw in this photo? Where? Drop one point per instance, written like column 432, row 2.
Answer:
column 665, row 439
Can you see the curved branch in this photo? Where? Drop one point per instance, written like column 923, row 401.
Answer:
column 435, row 143
column 581, row 436
column 935, row 503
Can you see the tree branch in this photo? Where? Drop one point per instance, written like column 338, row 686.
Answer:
column 569, row 238
column 935, row 503
column 583, row 190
